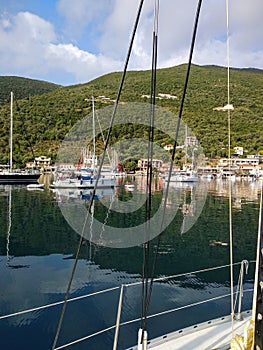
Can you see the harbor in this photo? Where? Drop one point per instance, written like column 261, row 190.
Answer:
column 37, row 255
column 131, row 198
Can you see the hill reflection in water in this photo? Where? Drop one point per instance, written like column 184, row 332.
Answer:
column 37, row 253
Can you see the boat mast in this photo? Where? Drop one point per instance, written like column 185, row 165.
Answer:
column 186, row 147
column 8, row 258
column 94, row 134
column 11, row 135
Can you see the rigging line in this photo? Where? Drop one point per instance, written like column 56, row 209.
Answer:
column 106, row 219
column 117, row 101
column 98, row 175
column 229, row 165
column 94, row 133
column 145, row 276
column 47, row 306
column 85, row 338
column 150, row 316
column 80, row 297
column 11, row 133
column 257, row 300
column 175, row 144
column 219, row 297
column 103, row 138
column 9, row 226
column 91, row 230
column 67, row 294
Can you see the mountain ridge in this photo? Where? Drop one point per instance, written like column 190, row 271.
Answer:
column 23, row 87
column 48, row 116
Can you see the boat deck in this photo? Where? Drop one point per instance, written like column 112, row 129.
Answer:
column 211, row 335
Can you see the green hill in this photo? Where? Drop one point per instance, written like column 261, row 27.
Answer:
column 23, row 87
column 46, row 118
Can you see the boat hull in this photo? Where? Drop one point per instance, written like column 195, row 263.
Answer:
column 74, row 183
column 17, row 178
column 183, row 178
column 35, row 185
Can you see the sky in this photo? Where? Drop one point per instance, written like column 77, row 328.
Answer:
column 70, row 42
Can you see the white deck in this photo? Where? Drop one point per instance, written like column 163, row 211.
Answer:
column 212, row 335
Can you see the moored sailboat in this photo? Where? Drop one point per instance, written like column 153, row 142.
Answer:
column 9, row 175
column 86, row 173
column 213, row 334
column 184, row 176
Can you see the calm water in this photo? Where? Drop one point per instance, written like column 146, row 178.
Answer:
column 38, row 248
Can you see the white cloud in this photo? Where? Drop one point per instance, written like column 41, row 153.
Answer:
column 117, row 28
column 23, row 41
column 83, row 65
column 97, row 34
column 83, row 14
column 29, row 47
column 245, row 28
column 5, row 23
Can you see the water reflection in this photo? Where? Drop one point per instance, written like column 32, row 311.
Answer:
column 247, row 190
column 39, row 242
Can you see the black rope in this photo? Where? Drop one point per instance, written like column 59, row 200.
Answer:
column 99, row 171
column 175, row 145
column 146, row 246
column 117, row 100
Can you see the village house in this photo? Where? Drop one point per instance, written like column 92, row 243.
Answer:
column 143, row 163
column 42, row 162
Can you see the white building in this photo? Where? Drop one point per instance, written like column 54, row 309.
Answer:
column 239, row 162
column 42, row 162
column 239, row 150
column 169, row 147
column 143, row 163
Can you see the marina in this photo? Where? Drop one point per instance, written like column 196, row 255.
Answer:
column 143, row 237
column 37, row 253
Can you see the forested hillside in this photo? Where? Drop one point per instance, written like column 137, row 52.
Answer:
column 46, row 118
column 23, row 87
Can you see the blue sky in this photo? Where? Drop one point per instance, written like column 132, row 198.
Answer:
column 69, row 42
